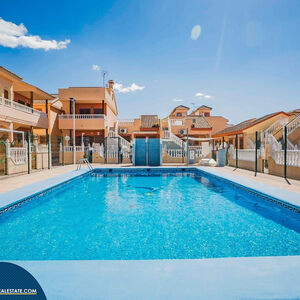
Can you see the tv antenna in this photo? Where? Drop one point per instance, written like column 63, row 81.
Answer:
column 104, row 76
column 193, row 105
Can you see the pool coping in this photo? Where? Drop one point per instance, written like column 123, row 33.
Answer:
column 280, row 196
column 243, row 278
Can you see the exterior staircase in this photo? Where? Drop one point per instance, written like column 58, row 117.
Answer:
column 171, row 139
column 276, row 131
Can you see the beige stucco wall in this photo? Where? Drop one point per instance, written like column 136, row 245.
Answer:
column 278, row 170
column 244, row 164
column 68, row 157
column 82, row 124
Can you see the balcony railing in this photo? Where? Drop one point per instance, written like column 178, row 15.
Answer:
column 177, row 122
column 82, row 116
column 21, row 107
column 125, row 122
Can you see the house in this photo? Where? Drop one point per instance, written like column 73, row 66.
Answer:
column 146, row 126
column 17, row 112
column 95, row 113
column 198, row 125
column 245, row 131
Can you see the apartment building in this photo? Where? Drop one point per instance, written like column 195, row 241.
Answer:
column 94, row 109
column 17, row 112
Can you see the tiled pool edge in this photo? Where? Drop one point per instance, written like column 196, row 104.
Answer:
column 290, row 200
column 20, row 195
column 277, row 195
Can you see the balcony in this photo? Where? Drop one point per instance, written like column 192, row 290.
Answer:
column 125, row 122
column 82, row 121
column 11, row 111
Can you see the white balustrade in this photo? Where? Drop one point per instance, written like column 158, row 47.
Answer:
column 82, row 116
column 21, row 107
column 293, row 125
column 125, row 122
column 292, row 158
column 18, row 155
column 77, row 148
column 278, row 124
column 123, row 143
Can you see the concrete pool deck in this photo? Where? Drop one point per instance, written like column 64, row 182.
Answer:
column 246, row 278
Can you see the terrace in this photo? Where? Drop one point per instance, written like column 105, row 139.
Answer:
column 12, row 111
column 82, row 121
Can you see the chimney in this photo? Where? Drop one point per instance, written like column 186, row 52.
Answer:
column 111, row 84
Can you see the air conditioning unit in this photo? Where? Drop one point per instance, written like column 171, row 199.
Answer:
column 182, row 131
column 123, row 130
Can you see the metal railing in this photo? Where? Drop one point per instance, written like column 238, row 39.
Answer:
column 82, row 116
column 83, row 161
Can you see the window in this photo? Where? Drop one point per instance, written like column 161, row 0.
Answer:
column 179, row 114
column 84, row 111
column 206, row 114
column 241, row 146
column 6, row 94
column 194, row 120
column 98, row 111
column 21, row 102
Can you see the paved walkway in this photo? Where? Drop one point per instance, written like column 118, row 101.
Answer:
column 279, row 182
column 10, row 183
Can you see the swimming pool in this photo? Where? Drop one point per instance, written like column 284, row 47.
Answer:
column 127, row 214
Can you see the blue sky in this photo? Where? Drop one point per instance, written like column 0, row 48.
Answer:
column 246, row 58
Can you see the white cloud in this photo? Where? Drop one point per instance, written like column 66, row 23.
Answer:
column 95, row 67
column 13, row 35
column 196, row 31
column 199, row 95
column 128, row 89
column 177, row 100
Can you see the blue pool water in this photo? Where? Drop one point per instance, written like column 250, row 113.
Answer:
column 171, row 216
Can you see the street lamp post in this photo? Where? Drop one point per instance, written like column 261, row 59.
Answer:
column 73, row 100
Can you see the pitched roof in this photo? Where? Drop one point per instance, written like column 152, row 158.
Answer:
column 149, row 121
column 200, row 122
column 179, row 106
column 201, row 107
column 204, row 106
column 246, row 124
